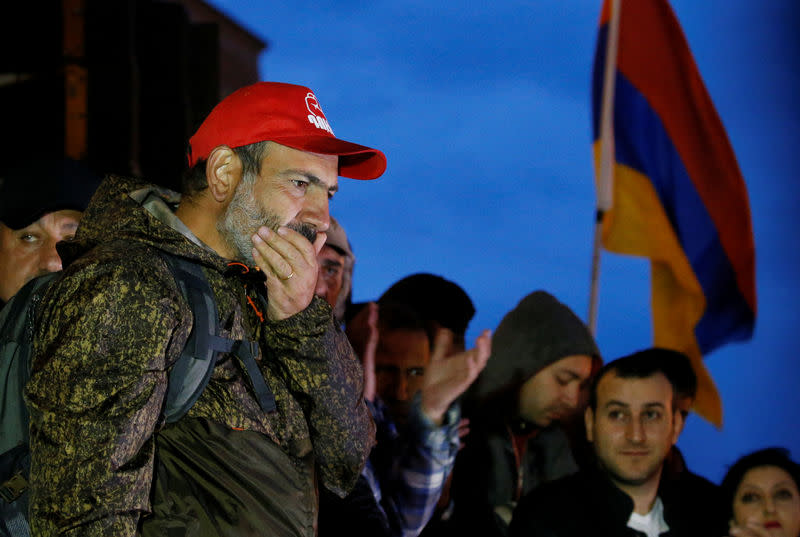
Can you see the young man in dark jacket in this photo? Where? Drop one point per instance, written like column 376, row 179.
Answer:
column 263, row 167
column 542, row 357
column 632, row 422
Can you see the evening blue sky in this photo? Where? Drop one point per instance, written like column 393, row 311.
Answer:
column 483, row 111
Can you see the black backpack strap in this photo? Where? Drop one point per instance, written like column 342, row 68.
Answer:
column 190, row 374
column 247, row 352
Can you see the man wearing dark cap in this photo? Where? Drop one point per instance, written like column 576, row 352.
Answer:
column 336, row 262
column 542, row 356
column 40, row 204
column 243, row 461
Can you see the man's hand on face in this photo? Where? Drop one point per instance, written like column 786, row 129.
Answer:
column 446, row 378
column 289, row 262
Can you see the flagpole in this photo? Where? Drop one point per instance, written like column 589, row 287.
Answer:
column 606, row 179
column 598, row 226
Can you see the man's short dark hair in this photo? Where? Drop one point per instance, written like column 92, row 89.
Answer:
column 194, row 179
column 643, row 364
column 398, row 316
column 434, row 299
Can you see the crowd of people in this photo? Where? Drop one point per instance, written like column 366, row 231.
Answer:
column 311, row 414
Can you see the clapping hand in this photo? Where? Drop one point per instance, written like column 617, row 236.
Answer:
column 447, row 377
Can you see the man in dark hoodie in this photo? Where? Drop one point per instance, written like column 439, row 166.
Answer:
column 263, row 167
column 542, row 357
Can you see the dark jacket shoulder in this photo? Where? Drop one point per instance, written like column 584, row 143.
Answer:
column 580, row 504
column 588, row 503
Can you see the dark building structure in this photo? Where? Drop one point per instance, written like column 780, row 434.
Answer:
column 119, row 84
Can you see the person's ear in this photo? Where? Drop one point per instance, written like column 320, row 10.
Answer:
column 677, row 425
column 684, row 415
column 223, row 173
column 588, row 421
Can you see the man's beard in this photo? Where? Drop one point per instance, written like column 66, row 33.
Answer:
column 244, row 216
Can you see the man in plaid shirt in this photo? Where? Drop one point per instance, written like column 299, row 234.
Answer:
column 410, row 385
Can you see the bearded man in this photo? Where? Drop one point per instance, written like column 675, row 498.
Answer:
column 253, row 215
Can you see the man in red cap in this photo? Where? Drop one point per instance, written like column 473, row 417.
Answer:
column 242, row 461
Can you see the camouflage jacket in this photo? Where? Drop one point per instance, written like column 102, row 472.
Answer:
column 108, row 331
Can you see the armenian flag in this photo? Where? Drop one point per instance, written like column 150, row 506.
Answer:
column 678, row 197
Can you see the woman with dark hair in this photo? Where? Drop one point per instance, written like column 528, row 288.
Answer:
column 761, row 495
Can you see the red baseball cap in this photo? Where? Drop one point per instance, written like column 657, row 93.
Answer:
column 286, row 114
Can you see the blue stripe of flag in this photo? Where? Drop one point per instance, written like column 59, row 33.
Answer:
column 643, row 144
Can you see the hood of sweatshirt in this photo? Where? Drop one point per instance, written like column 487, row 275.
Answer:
column 539, row 331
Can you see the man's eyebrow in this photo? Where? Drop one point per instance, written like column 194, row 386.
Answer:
column 26, row 230
column 331, row 263
column 652, row 404
column 313, row 179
